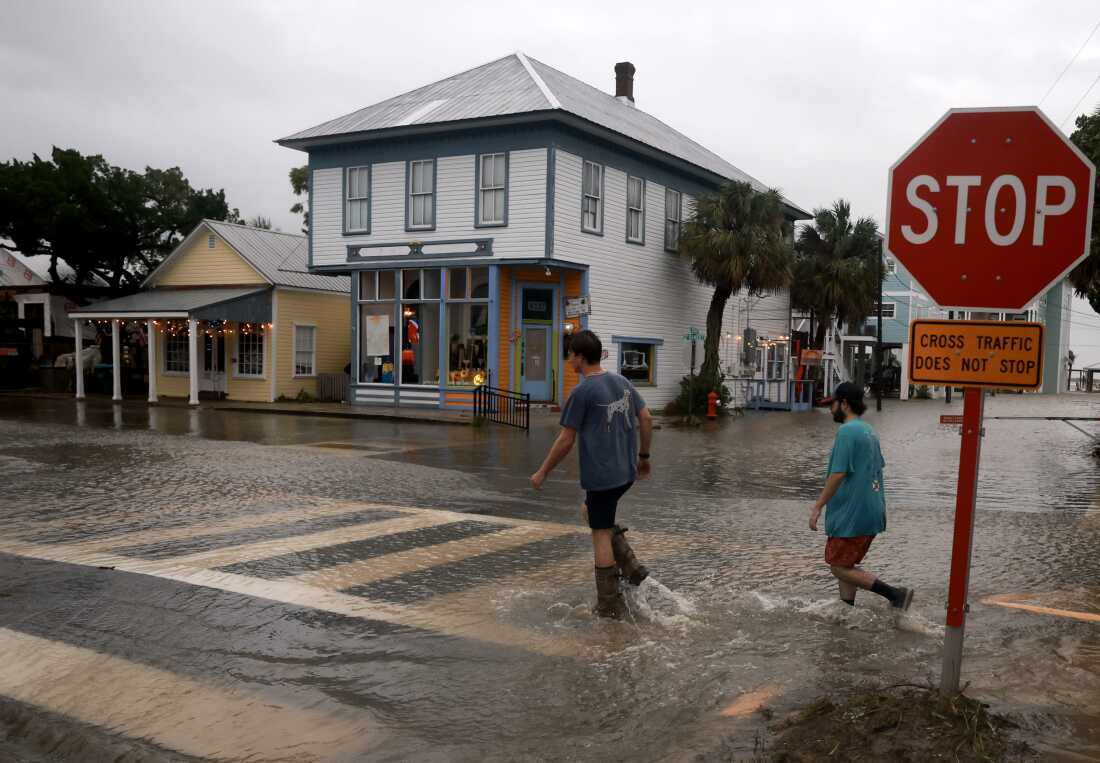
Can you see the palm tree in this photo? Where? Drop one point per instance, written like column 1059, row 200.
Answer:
column 836, row 268
column 736, row 239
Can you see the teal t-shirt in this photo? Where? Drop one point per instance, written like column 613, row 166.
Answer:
column 859, row 506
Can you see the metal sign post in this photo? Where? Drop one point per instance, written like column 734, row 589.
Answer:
column 963, row 543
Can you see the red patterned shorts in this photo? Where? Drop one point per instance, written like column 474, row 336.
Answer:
column 847, row 552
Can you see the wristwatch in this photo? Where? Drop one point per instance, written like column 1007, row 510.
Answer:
column 643, row 455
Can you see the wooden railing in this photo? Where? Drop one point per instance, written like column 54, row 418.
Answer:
column 502, row 406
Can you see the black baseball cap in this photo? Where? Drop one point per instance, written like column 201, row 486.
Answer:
column 845, row 391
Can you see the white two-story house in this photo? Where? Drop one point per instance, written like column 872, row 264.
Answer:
column 475, row 212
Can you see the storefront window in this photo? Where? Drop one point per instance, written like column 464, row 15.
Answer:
column 420, row 343
column 637, row 362
column 376, row 339
column 468, row 349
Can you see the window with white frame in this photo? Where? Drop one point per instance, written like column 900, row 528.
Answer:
column 888, row 309
column 777, row 362
column 492, row 180
column 177, row 353
column 592, row 202
column 638, row 361
column 635, row 210
column 891, row 265
column 250, row 352
column 357, row 203
column 421, row 184
column 672, row 219
column 305, row 350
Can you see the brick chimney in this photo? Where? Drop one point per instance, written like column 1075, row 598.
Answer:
column 624, row 82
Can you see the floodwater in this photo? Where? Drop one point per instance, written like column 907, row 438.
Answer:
column 203, row 585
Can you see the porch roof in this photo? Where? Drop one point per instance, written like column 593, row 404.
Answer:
column 249, row 304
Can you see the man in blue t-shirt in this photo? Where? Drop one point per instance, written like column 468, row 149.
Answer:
column 610, row 417
column 855, row 497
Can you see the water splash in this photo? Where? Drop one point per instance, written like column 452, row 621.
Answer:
column 655, row 602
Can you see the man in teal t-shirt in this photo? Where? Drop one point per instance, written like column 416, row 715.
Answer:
column 855, row 499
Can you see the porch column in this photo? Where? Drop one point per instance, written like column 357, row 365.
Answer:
column 151, row 348
column 193, row 359
column 78, row 335
column 116, row 360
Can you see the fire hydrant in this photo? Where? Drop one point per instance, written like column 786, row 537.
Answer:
column 712, row 405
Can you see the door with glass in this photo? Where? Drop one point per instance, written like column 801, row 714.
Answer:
column 212, row 377
column 537, row 363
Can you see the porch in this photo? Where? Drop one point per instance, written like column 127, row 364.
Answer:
column 219, row 340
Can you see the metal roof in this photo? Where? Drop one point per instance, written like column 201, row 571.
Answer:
column 167, row 301
column 281, row 258
column 517, row 84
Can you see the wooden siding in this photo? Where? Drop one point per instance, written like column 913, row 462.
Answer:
column 251, row 389
column 329, row 313
column 524, row 236
column 637, row 290
column 199, row 265
column 572, row 289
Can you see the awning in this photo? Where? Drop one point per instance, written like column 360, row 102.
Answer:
column 242, row 304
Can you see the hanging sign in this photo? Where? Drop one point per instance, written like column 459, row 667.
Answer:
column 575, row 307
column 1002, row 355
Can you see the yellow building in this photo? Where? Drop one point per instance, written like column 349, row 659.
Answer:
column 234, row 314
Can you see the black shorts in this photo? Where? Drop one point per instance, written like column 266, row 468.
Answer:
column 602, row 505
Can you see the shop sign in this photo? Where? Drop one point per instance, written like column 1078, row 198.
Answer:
column 1002, row 355
column 575, row 307
column 810, row 358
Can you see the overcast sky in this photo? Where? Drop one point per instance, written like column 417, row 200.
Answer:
column 815, row 98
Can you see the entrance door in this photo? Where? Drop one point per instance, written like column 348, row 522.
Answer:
column 537, row 362
column 212, row 378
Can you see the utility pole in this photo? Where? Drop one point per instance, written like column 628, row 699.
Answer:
column 878, row 340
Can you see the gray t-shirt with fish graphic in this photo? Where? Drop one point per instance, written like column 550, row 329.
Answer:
column 604, row 410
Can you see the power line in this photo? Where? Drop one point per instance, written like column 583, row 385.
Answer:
column 1083, row 97
column 1075, row 55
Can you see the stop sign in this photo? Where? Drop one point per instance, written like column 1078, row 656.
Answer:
column 990, row 208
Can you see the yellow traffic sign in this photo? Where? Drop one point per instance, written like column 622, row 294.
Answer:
column 999, row 354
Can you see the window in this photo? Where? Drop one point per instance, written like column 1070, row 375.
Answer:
column 176, row 352
column 419, row 327
column 211, row 241
column 635, row 210
column 467, row 326
column 357, row 204
column 592, row 200
column 777, row 362
column 637, row 362
column 891, row 265
column 377, row 326
column 672, row 219
column 305, row 350
column 421, row 184
column 887, row 310
column 250, row 352
column 492, row 185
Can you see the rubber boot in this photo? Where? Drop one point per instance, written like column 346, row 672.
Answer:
column 609, row 601
column 633, row 570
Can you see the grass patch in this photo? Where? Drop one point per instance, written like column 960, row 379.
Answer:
column 908, row 723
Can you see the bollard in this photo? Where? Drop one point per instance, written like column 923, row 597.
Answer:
column 712, row 405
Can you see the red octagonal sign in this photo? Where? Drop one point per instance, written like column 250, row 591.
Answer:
column 990, row 208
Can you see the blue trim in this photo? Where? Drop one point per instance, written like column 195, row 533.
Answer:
column 494, row 326
column 584, row 292
column 513, row 346
column 555, row 326
column 462, row 261
column 559, row 335
column 443, row 346
column 477, row 188
column 344, row 199
column 356, row 363
column 603, row 196
column 551, row 186
column 408, row 193
column 630, row 240
column 636, row 340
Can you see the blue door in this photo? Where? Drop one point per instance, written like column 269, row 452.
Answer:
column 536, row 364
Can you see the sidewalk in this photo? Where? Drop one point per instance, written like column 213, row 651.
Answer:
column 330, row 410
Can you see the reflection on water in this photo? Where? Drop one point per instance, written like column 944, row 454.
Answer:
column 412, row 632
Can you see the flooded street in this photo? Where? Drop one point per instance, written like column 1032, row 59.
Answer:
column 201, row 585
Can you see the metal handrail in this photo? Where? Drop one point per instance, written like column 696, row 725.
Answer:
column 502, row 406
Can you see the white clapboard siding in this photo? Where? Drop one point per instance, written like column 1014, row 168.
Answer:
column 637, row 291
column 524, row 236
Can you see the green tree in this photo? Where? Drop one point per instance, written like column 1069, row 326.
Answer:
column 259, row 221
column 105, row 222
column 836, row 268
column 1085, row 278
column 299, row 183
column 737, row 238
